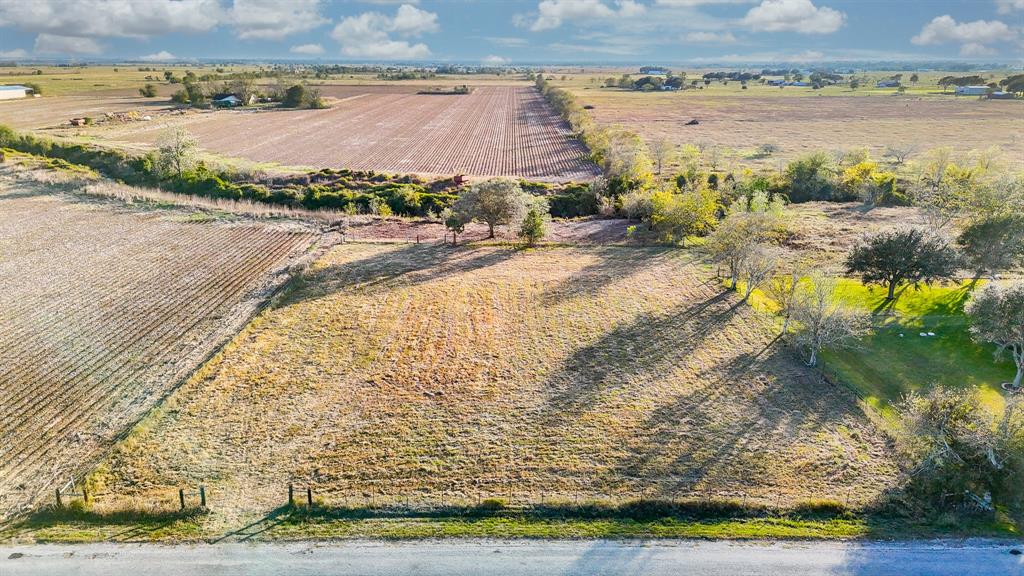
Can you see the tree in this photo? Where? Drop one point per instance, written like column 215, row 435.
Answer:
column 534, row 225
column 821, row 322
column 294, row 96
column 177, row 152
column 899, row 154
column 660, row 151
column 783, row 291
column 758, row 267
column 957, row 445
column 196, row 94
column 244, row 88
column 676, row 216
column 997, row 316
column 992, row 244
column 749, row 223
column 148, row 91
column 494, row 202
column 454, row 222
column 904, row 256
column 811, row 177
column 914, row 78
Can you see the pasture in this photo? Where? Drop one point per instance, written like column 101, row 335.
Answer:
column 798, row 120
column 105, row 309
column 397, row 373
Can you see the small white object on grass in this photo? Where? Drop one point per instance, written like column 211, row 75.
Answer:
column 931, row 333
column 922, row 334
column 901, row 335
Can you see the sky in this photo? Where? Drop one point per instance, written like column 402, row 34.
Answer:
column 515, row 31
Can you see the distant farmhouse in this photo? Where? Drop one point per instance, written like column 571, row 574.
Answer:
column 12, row 92
column 971, row 90
column 887, row 83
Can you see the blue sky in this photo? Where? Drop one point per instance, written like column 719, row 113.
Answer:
column 513, row 31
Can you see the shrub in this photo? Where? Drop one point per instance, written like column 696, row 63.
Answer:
column 294, row 96
column 534, row 225
column 148, row 91
column 811, row 178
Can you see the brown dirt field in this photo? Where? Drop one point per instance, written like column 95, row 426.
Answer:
column 104, row 310
column 803, row 124
column 495, row 131
column 35, row 113
column 423, row 372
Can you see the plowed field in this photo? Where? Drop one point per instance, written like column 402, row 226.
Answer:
column 103, row 311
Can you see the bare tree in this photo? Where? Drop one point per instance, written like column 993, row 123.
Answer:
column 661, row 150
column 821, row 321
column 997, row 316
column 177, row 152
column 899, row 154
column 758, row 267
column 783, row 290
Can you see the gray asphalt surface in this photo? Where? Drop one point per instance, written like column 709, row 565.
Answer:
column 514, row 558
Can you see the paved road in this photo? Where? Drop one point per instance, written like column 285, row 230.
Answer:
column 514, row 558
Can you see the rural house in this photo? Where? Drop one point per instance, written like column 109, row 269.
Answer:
column 887, row 84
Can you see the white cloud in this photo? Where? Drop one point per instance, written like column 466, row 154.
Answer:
column 693, row 3
column 368, row 35
column 972, row 36
column 793, row 16
column 16, row 53
column 273, row 19
column 57, row 44
column 709, row 37
column 552, row 13
column 1007, row 6
column 110, row 18
column 493, row 60
column 161, row 56
column 307, row 49
column 974, row 50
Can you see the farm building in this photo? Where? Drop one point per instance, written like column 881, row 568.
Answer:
column 971, row 90
column 227, row 100
column 11, row 92
column 887, row 84
column 1001, row 96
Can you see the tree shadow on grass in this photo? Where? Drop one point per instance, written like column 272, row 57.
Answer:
column 390, row 268
column 614, row 263
column 641, row 349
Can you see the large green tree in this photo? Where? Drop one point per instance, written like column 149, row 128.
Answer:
column 495, row 202
column 906, row 256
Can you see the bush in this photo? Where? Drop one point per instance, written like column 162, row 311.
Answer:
column 294, row 96
column 534, row 225
column 811, row 178
column 148, row 91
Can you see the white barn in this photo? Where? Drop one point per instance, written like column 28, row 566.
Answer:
column 971, row 90
column 12, row 92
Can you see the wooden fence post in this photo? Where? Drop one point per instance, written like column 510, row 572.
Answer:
column 309, row 496
column 291, row 495
column 59, row 503
column 202, row 496
column 85, row 495
column 181, row 497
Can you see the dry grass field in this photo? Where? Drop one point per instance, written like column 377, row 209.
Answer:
column 104, row 309
column 423, row 373
column 738, row 122
column 37, row 113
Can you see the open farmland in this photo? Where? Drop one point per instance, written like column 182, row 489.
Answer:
column 428, row 373
column 104, row 310
column 495, row 131
column 738, row 122
column 36, row 113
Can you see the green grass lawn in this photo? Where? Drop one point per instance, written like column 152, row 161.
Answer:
column 894, row 359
